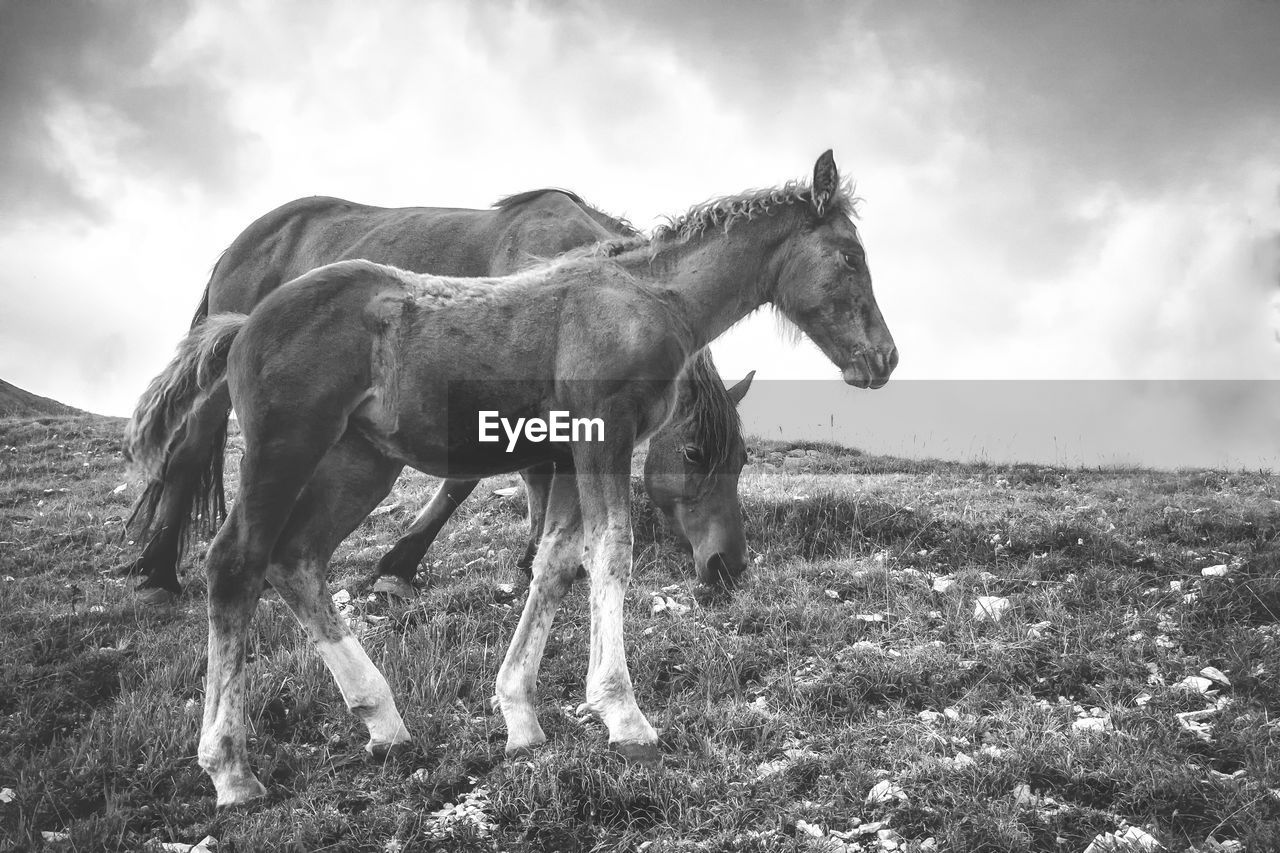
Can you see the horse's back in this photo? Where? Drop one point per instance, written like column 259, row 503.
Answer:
column 541, row 226
column 310, row 232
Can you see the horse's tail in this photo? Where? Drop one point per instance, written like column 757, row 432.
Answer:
column 158, row 422
column 202, row 310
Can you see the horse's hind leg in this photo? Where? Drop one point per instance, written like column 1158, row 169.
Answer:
column 349, row 483
column 398, row 566
column 190, row 460
column 553, row 572
column 234, row 587
column 275, row 469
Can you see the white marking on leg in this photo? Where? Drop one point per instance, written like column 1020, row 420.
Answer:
column 222, row 752
column 518, row 677
column 363, row 687
column 365, row 690
column 609, row 690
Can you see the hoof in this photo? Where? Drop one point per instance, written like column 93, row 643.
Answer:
column 526, row 746
column 525, row 563
column 154, row 596
column 638, row 753
column 383, row 752
column 395, row 586
column 239, row 792
column 519, row 753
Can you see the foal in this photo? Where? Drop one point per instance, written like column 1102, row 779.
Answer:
column 347, row 374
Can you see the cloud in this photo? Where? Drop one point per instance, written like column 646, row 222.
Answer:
column 1175, row 287
column 1118, row 92
column 94, row 92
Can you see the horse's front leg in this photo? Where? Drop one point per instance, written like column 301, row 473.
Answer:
column 537, row 487
column 553, row 572
column 604, row 484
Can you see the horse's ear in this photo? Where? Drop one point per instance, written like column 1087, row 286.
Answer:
column 739, row 390
column 826, row 183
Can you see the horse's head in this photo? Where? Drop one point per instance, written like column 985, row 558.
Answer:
column 824, row 285
column 691, row 474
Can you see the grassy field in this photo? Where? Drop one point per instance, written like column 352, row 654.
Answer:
column 851, row 663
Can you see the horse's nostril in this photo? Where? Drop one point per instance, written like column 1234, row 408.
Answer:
column 724, row 571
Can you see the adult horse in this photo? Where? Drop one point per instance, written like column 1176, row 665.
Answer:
column 355, row 369
column 691, row 473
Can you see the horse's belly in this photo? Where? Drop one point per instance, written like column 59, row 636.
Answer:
column 473, row 463
column 462, row 449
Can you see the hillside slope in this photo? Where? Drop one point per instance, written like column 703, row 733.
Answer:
column 16, row 402
column 857, row 694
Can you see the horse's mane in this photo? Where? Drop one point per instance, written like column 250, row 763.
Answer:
column 724, row 212
column 720, row 213
column 707, row 410
column 617, row 224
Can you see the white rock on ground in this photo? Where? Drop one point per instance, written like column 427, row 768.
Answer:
column 1131, row 840
column 1092, row 724
column 990, row 608
column 664, row 604
column 884, row 791
column 1194, row 684
column 1214, row 674
column 208, row 844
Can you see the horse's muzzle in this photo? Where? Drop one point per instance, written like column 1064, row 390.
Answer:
column 723, row 571
column 871, row 369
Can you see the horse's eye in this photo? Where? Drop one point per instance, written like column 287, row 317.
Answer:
column 691, row 454
column 851, row 259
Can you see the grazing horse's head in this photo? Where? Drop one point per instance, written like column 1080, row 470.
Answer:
column 824, row 285
column 692, row 470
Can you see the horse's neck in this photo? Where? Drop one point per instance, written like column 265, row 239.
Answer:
column 719, row 278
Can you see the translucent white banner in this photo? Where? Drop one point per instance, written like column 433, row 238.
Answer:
column 1160, row 424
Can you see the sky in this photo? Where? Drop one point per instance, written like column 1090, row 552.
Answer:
column 1052, row 191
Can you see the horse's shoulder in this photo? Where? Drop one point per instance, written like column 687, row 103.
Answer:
column 639, row 320
column 390, row 293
